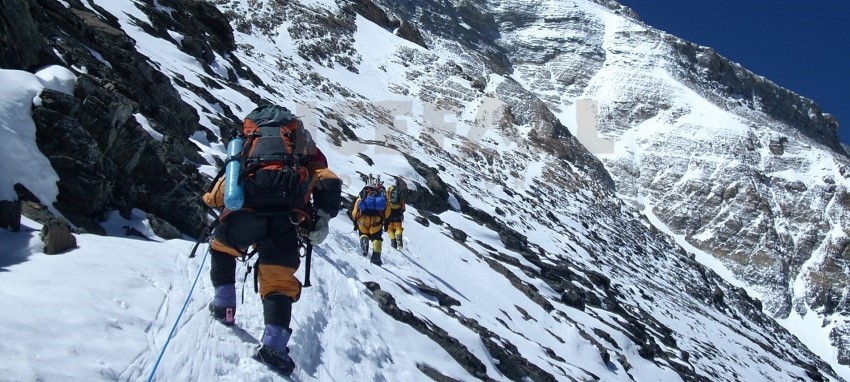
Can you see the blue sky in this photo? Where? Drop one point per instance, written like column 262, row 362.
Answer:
column 802, row 46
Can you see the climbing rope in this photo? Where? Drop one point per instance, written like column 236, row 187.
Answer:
column 174, row 327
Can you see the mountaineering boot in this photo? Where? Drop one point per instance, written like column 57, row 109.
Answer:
column 226, row 316
column 273, row 351
column 394, row 243
column 376, row 258
column 364, row 245
column 400, row 242
column 223, row 305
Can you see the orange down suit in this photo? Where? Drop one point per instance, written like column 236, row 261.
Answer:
column 273, row 236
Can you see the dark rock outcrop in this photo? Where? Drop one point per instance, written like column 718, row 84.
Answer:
column 21, row 44
column 452, row 346
column 103, row 155
column 10, row 215
column 434, row 197
column 377, row 15
column 708, row 70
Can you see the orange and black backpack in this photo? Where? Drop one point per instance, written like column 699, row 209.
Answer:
column 277, row 148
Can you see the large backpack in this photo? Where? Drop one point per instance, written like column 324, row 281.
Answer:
column 373, row 202
column 277, row 146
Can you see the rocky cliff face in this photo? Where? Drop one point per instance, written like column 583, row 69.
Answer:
column 94, row 139
column 479, row 98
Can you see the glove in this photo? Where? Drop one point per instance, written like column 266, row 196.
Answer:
column 320, row 231
column 386, row 227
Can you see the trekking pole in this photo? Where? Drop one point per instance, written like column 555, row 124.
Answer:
column 201, row 238
column 308, row 257
column 205, row 234
column 308, row 253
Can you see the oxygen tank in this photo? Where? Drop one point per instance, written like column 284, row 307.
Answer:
column 234, row 195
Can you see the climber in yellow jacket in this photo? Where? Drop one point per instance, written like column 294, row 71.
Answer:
column 393, row 223
column 369, row 213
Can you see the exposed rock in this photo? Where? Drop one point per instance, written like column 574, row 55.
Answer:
column 717, row 296
column 452, row 346
column 57, row 237
column 549, row 134
column 838, row 337
column 193, row 20
column 86, row 175
column 10, row 215
column 599, row 279
column 377, row 15
column 434, row 374
column 511, row 362
column 458, row 235
column 36, row 211
column 96, row 126
column 434, row 196
column 527, row 289
column 21, row 44
column 446, row 19
column 574, row 298
column 512, row 239
column 443, row 299
column 162, row 228
column 715, row 77
column 777, row 146
column 422, row 220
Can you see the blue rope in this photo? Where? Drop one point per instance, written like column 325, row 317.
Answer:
column 174, row 328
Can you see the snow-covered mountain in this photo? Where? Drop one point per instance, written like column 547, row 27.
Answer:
column 538, row 250
column 744, row 170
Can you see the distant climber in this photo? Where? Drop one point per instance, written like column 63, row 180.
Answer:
column 369, row 213
column 393, row 224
